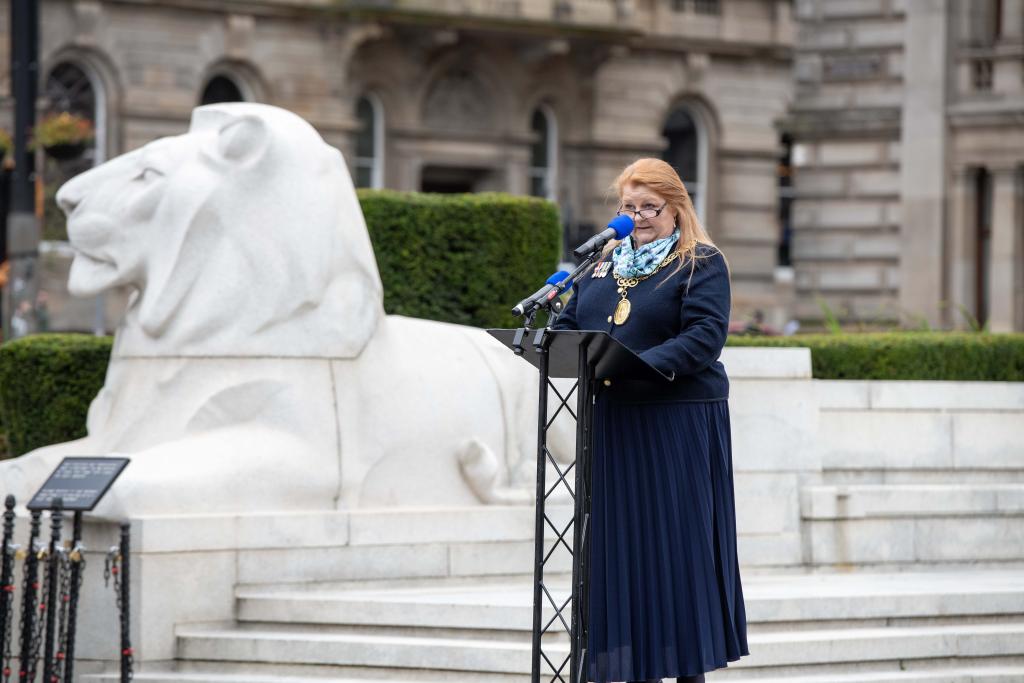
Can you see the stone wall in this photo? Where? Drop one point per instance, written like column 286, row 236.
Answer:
column 846, row 127
column 902, row 108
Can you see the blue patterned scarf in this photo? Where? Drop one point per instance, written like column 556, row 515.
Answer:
column 630, row 262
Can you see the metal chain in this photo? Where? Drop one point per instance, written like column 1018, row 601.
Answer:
column 112, row 570
column 76, row 561
column 623, row 306
column 43, row 556
column 113, row 556
column 64, row 595
column 7, row 656
column 29, row 591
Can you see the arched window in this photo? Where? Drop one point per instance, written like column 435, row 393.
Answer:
column 220, row 88
column 544, row 154
column 69, row 88
column 74, row 88
column 369, row 161
column 686, row 152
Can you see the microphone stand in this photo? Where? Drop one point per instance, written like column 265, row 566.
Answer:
column 577, row 274
column 553, row 306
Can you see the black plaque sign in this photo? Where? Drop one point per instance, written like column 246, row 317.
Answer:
column 80, row 482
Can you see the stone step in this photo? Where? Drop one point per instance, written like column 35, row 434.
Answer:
column 363, row 544
column 219, row 672
column 770, row 601
column 835, row 476
column 959, row 674
column 911, row 500
column 826, row 647
column 185, row 677
column 1004, row 674
column 913, row 524
column 908, row 432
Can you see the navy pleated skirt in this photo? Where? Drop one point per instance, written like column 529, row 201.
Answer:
column 665, row 593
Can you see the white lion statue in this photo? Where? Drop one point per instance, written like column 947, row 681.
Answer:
column 254, row 368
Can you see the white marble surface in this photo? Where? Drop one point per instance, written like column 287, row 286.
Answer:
column 766, row 363
column 241, row 237
column 254, row 369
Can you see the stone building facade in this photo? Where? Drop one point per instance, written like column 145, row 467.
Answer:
column 549, row 97
column 852, row 157
column 908, row 148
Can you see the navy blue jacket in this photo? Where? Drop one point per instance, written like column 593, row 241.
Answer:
column 676, row 324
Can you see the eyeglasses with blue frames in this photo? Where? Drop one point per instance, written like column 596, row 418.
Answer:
column 645, row 214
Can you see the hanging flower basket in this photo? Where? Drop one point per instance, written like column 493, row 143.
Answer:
column 65, row 151
column 63, row 136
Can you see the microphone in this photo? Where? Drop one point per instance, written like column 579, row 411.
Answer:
column 618, row 228
column 549, row 291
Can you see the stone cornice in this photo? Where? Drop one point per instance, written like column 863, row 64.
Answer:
column 626, row 32
column 982, row 114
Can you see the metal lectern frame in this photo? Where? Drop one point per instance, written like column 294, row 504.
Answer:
column 576, row 603
column 580, row 522
column 598, row 353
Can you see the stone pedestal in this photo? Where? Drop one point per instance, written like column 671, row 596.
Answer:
column 774, row 414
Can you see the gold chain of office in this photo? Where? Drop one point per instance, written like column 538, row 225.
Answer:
column 622, row 309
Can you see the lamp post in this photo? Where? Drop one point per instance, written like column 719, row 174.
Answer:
column 22, row 224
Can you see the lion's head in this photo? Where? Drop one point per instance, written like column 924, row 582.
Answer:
column 241, row 237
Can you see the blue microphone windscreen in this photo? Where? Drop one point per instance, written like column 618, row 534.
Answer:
column 623, row 226
column 558, row 277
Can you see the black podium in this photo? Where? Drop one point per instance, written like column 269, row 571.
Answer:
column 590, row 357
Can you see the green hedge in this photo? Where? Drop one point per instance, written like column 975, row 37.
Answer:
column 908, row 355
column 47, row 382
column 460, row 258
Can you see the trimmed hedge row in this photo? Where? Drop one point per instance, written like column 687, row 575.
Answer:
column 963, row 356
column 47, row 382
column 460, row 258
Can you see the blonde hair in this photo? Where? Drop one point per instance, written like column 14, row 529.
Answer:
column 659, row 177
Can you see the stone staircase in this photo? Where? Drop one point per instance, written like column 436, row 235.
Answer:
column 888, row 550
column 856, row 628
column 917, row 474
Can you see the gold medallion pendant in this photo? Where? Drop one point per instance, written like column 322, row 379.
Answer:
column 622, row 311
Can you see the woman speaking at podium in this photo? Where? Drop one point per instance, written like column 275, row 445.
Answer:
column 665, row 594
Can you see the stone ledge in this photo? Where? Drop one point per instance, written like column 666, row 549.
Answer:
column 767, row 363
column 506, row 605
column 329, row 529
column 911, row 500
column 915, row 541
column 913, row 395
column 312, row 645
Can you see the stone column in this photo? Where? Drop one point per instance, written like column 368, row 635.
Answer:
column 923, row 163
column 1013, row 20
column 961, row 246
column 1018, row 263
column 1005, row 251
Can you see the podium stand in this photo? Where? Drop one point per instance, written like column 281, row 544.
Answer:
column 589, row 357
